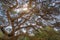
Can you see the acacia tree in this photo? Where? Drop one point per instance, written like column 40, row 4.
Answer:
column 25, row 15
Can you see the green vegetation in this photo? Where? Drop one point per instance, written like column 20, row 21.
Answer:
column 46, row 33
column 1, row 34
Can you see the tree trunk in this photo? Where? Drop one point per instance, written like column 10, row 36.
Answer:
column 14, row 38
column 9, row 38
